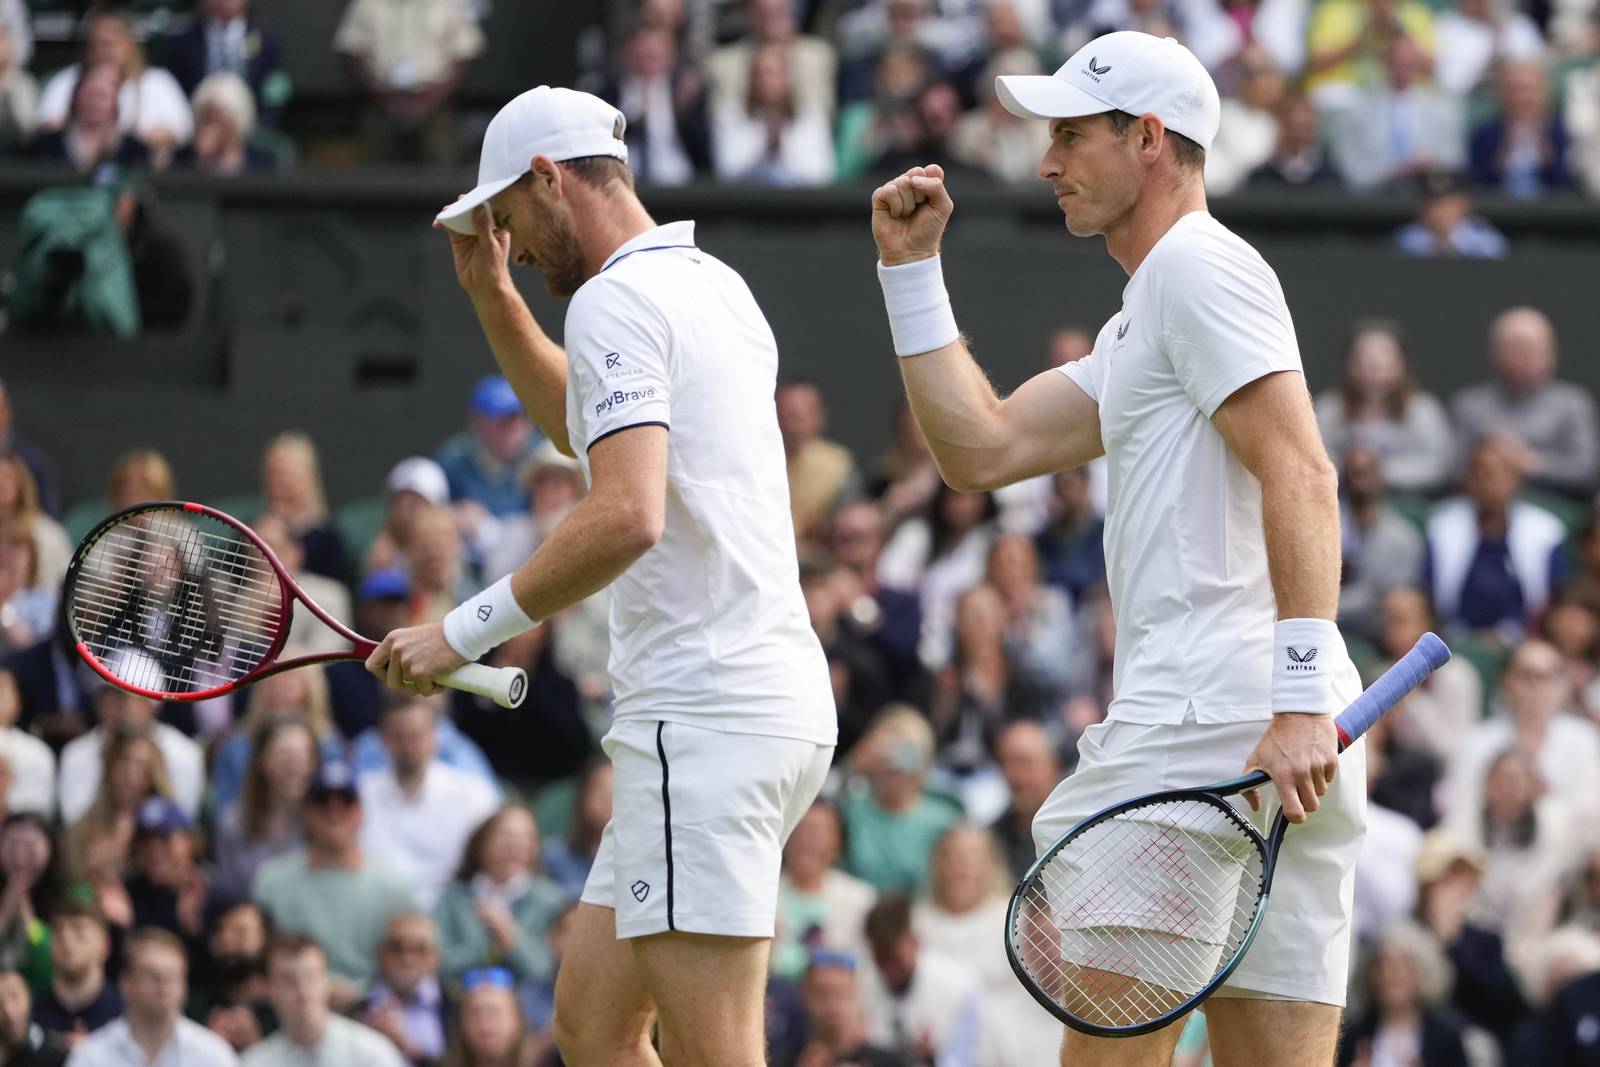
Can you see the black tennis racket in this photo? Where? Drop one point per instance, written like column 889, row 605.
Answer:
column 1142, row 910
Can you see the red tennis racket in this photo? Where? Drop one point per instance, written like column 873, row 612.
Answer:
column 179, row 601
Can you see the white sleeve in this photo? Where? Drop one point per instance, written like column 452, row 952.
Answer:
column 618, row 354
column 56, row 100
column 162, row 106
column 1226, row 324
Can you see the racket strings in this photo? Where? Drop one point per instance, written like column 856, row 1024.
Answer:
column 1135, row 916
column 175, row 601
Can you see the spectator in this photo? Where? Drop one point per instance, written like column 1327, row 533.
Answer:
column 1522, row 152
column 906, row 478
column 891, row 619
column 668, row 130
column 139, row 476
column 941, row 556
column 822, row 473
column 1248, row 132
column 298, row 975
column 421, row 810
column 150, row 105
column 1476, row 35
column 224, row 118
column 1031, row 769
column 492, row 1031
column 930, row 138
column 876, row 121
column 39, row 463
column 1040, row 637
column 32, row 763
column 264, row 821
column 500, row 907
column 552, row 482
column 1386, row 885
column 1071, row 545
column 406, row 1003
column 1445, row 223
column 414, row 484
column 17, row 23
column 1564, row 986
column 1572, row 625
column 28, row 607
column 1554, row 421
column 968, row 895
column 1400, row 129
column 1408, row 979
column 99, row 844
column 152, row 1029
column 291, row 488
column 1439, row 712
column 297, row 695
column 32, row 873
column 1581, row 110
column 226, row 38
column 1379, row 405
column 90, row 132
column 355, row 695
column 1298, row 160
column 1493, row 559
column 1348, row 44
column 568, row 859
column 1202, row 26
column 307, row 633
column 1006, row 146
column 820, row 907
column 439, row 578
column 20, row 501
column 21, row 1042
column 167, row 889
column 19, row 95
column 232, row 996
column 811, row 62
column 484, row 465
column 890, row 829
column 860, row 674
column 79, row 999
column 1381, row 550
column 767, row 138
column 836, row 1025
column 409, row 57
column 873, row 32
column 917, row 1003
column 1535, row 690
column 330, row 888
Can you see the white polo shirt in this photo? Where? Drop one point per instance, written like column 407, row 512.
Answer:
column 191, row 1045
column 708, row 628
column 1186, row 556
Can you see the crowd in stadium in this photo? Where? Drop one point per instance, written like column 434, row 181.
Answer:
column 1365, row 94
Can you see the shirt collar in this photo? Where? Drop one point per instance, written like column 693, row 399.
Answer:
column 672, row 235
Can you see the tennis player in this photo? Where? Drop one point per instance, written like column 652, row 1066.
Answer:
column 724, row 720
column 1222, row 531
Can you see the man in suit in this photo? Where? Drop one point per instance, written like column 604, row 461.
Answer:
column 225, row 37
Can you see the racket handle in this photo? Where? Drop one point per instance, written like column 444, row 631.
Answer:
column 506, row 686
column 1425, row 657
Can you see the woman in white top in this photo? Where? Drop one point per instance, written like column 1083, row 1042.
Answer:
column 769, row 139
column 151, row 105
column 941, row 556
column 968, row 891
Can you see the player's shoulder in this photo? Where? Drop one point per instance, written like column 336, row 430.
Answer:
column 1199, row 242
column 617, row 293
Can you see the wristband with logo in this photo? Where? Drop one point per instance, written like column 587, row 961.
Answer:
column 485, row 621
column 920, row 316
column 1306, row 653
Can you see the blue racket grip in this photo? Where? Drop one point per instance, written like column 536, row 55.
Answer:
column 1425, row 657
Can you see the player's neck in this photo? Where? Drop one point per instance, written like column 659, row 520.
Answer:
column 1131, row 240
column 614, row 220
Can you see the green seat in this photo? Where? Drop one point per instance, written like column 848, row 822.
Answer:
column 553, row 805
column 358, row 523
column 1487, row 657
column 81, row 517
column 1413, row 507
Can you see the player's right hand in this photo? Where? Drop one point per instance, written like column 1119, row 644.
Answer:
column 909, row 215
column 483, row 257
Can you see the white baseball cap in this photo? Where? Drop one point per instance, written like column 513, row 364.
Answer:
column 1124, row 71
column 560, row 123
column 422, row 476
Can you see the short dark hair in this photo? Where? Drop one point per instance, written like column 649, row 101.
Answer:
column 293, row 946
column 889, row 920
column 74, row 906
column 599, row 171
column 153, row 937
column 1188, row 154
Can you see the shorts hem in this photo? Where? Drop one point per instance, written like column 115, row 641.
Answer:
column 718, row 926
column 1276, row 989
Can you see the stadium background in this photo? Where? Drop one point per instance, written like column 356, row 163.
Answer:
column 322, row 304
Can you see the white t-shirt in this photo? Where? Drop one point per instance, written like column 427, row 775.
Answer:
column 708, row 628
column 423, row 836
column 1186, row 556
column 148, row 104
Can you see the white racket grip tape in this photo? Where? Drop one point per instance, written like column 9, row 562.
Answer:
column 506, row 686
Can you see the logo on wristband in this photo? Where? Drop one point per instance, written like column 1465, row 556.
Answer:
column 484, row 611
column 1301, row 661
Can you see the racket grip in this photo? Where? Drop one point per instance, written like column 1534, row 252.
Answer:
column 1425, row 657
column 506, row 686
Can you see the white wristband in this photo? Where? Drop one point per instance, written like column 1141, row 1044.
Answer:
column 1306, row 654
column 920, row 317
column 491, row 618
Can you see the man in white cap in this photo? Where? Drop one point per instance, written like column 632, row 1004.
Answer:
column 1222, row 531
column 724, row 721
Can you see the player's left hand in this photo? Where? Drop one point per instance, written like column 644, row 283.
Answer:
column 409, row 659
column 1300, row 752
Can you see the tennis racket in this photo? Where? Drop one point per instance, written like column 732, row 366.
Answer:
column 1140, row 911
column 178, row 601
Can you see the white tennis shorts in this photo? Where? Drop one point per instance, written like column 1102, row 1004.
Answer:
column 1302, row 949
column 698, row 823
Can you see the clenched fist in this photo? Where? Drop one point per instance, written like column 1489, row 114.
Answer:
column 909, row 215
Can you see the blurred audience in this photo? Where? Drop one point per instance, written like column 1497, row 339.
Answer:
column 224, row 118
column 1407, row 981
column 664, row 101
column 918, row 1003
column 1298, row 159
column 227, row 38
column 291, row 488
column 484, row 464
column 90, row 131
column 820, row 907
column 769, row 137
column 406, row 1002
column 836, row 1024
column 1396, row 131
column 809, row 62
column 1248, row 132
column 264, row 822
column 1446, row 224
column 1523, row 150
column 890, row 826
column 1381, row 551
column 19, row 95
column 822, row 473
column 310, row 1032
column 1475, row 36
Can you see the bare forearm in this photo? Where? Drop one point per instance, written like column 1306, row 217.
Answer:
column 535, row 365
column 588, row 551
column 957, row 410
column 1300, row 511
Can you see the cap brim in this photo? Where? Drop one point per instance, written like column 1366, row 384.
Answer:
column 458, row 216
column 1044, row 96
